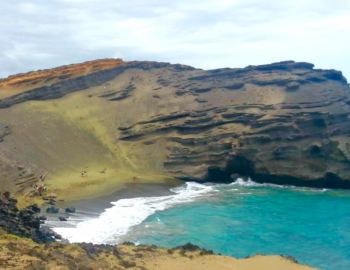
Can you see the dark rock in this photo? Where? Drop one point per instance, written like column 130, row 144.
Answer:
column 70, row 210
column 235, row 86
column 62, row 219
column 65, row 242
column 127, row 243
column 189, row 247
column 35, row 208
column 7, row 195
column 293, row 86
column 290, row 258
column 201, row 100
column 46, row 230
column 34, row 224
column 52, row 210
column 202, row 90
column 51, row 202
column 23, row 223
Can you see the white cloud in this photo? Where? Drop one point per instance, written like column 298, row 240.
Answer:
column 203, row 33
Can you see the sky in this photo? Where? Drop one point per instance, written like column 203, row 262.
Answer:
column 207, row 34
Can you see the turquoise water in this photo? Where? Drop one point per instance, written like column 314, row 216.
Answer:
column 245, row 218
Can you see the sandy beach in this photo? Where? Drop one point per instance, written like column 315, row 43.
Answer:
column 92, row 207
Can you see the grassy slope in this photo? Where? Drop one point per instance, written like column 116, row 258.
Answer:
column 79, row 132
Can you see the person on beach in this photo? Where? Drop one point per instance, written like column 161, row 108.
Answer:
column 42, row 189
column 84, row 174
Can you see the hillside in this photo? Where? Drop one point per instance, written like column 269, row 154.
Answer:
column 20, row 253
column 284, row 123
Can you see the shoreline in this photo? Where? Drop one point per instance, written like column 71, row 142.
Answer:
column 127, row 191
column 70, row 189
column 93, row 207
column 166, row 258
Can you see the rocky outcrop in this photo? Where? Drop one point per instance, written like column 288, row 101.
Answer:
column 18, row 253
column 63, row 87
column 25, row 222
column 285, row 123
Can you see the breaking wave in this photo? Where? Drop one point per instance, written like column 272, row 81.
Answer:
column 112, row 226
column 116, row 221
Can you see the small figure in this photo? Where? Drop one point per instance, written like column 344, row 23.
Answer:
column 84, row 174
column 42, row 189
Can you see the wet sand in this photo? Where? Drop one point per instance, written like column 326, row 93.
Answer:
column 93, row 207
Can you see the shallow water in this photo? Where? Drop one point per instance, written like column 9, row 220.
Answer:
column 239, row 219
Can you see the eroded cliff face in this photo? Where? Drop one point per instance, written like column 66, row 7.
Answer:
column 285, row 123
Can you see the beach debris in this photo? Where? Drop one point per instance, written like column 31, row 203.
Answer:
column 52, row 210
column 137, row 178
column 104, row 171
column 70, row 210
column 51, row 196
column 84, row 174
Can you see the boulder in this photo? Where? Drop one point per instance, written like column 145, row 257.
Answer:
column 65, row 242
column 7, row 195
column 46, row 230
column 34, row 223
column 35, row 208
column 70, row 210
column 51, row 202
column 52, row 210
column 62, row 219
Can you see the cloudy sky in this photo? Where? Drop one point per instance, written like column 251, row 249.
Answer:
column 38, row 34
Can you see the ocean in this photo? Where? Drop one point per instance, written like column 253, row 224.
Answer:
column 239, row 219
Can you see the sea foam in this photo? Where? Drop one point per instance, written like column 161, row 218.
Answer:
column 112, row 226
column 115, row 222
